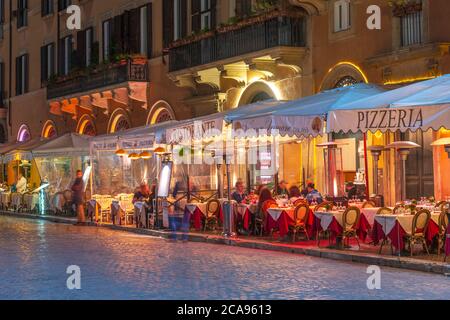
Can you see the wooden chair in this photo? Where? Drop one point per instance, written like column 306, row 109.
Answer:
column 443, row 225
column 212, row 214
column 349, row 220
column 260, row 221
column 301, row 215
column 300, row 202
column 369, row 204
column 324, row 204
column 419, row 228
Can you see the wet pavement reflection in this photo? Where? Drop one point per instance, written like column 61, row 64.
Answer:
column 34, row 256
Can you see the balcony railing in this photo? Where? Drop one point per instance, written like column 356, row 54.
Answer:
column 126, row 71
column 276, row 31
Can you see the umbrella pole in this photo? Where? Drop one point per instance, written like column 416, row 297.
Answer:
column 366, row 167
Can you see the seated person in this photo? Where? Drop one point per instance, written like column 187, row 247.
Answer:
column 239, row 194
column 282, row 189
column 21, row 185
column 142, row 194
column 294, row 192
column 313, row 194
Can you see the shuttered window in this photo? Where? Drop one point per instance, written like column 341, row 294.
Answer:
column 203, row 15
column 65, row 55
column 46, row 7
column 242, row 8
column 145, row 30
column 22, row 13
column 411, row 28
column 342, row 15
column 63, row 4
column 22, row 74
column 47, row 61
column 106, row 40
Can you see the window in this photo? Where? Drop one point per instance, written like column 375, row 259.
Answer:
column 22, row 13
column 2, row 82
column 177, row 12
column 47, row 61
column 342, row 15
column 46, row 7
column 241, row 8
column 145, row 30
column 89, row 46
column 66, row 55
column 206, row 14
column 411, row 28
column 2, row 17
column 63, row 4
column 22, row 74
column 106, row 40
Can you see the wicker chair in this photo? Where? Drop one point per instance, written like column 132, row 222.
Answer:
column 260, row 222
column 324, row 204
column 299, row 202
column 369, row 204
column 443, row 225
column 349, row 220
column 212, row 214
column 301, row 215
column 419, row 227
column 384, row 211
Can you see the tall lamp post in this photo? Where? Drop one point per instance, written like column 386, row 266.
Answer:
column 376, row 151
column 403, row 148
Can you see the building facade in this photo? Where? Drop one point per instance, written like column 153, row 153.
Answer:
column 142, row 62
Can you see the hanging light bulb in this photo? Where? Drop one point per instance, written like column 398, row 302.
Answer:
column 160, row 150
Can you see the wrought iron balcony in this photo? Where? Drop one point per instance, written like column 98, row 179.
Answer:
column 256, row 34
column 127, row 70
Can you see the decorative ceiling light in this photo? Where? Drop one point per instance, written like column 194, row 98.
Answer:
column 133, row 156
column 121, row 153
column 145, row 155
column 160, row 150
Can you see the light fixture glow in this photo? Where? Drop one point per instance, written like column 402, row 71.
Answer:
column 145, row 155
column 121, row 153
column 133, row 156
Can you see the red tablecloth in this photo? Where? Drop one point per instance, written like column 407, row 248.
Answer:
column 398, row 233
column 245, row 218
column 362, row 228
column 285, row 221
column 195, row 218
column 447, row 242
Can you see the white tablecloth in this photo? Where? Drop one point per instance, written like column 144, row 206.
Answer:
column 31, row 200
column 193, row 206
column 327, row 217
column 387, row 222
column 275, row 213
column 370, row 214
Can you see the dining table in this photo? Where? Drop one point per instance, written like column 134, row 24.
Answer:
column 396, row 227
column 244, row 213
column 281, row 218
column 332, row 221
column 195, row 213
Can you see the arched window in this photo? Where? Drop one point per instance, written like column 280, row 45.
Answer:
column 23, row 134
column 261, row 96
column 160, row 112
column 86, row 127
column 345, row 82
column 119, row 123
column 49, row 130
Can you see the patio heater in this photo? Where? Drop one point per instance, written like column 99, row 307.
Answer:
column 376, row 151
column 333, row 168
column 160, row 152
column 403, row 148
column 444, row 142
column 228, row 225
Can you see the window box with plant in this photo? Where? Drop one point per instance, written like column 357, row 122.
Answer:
column 405, row 7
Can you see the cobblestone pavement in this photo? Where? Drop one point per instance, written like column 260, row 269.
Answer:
column 34, row 256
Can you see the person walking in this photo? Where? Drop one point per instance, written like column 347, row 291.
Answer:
column 77, row 197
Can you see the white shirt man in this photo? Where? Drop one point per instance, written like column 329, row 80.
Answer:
column 21, row 185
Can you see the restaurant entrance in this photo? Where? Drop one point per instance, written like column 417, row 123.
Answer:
column 419, row 166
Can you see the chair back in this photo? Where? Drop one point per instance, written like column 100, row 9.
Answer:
column 269, row 204
column 443, row 222
column 212, row 208
column 369, row 204
column 300, row 202
column 324, row 204
column 351, row 217
column 385, row 211
column 301, row 213
column 420, row 221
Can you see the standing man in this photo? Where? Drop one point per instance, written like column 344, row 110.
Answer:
column 21, row 185
column 77, row 197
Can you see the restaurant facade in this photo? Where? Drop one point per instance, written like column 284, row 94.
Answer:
column 188, row 59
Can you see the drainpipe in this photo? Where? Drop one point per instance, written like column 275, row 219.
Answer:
column 10, row 66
